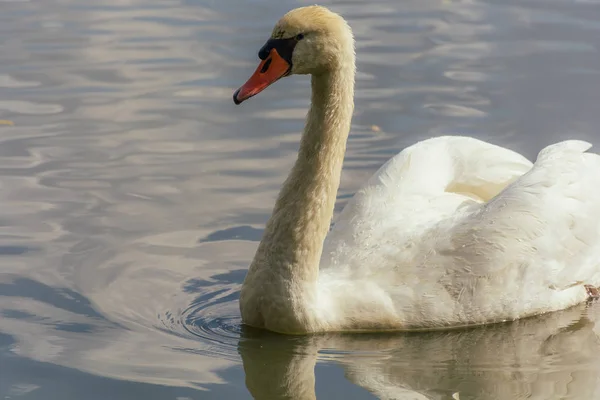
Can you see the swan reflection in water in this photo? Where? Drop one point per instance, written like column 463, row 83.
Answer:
column 555, row 356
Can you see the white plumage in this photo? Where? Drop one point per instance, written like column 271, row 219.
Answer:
column 456, row 231
column 452, row 231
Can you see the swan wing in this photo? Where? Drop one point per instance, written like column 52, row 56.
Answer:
column 409, row 195
column 543, row 229
column 515, row 240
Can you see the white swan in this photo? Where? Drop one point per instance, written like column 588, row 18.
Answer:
column 452, row 231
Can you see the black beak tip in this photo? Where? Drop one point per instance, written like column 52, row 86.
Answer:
column 235, row 98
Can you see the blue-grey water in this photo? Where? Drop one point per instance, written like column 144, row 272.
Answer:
column 133, row 192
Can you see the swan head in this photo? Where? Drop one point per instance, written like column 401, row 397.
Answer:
column 307, row 40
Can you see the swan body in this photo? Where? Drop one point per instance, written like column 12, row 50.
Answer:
column 452, row 231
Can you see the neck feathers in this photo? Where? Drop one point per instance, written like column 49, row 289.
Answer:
column 293, row 238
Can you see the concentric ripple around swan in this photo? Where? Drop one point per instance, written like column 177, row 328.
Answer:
column 211, row 321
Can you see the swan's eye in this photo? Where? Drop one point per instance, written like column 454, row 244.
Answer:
column 300, row 36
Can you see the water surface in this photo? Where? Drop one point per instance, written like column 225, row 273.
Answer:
column 134, row 193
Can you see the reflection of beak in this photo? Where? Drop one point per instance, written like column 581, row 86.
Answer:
column 269, row 70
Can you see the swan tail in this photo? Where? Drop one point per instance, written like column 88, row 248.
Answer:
column 561, row 149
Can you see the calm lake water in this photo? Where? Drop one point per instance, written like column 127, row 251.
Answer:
column 134, row 193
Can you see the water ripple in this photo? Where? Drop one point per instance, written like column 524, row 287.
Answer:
column 216, row 325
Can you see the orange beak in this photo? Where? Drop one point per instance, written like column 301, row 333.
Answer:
column 270, row 70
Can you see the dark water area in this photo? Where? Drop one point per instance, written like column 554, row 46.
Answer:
column 133, row 192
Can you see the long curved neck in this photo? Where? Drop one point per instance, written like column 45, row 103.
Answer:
column 293, row 240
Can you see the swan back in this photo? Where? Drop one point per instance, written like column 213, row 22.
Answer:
column 454, row 164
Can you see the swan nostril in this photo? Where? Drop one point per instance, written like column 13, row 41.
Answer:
column 266, row 66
